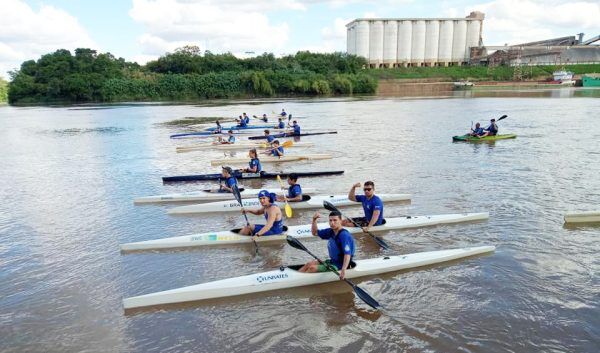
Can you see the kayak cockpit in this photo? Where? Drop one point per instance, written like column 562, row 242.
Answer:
column 238, row 230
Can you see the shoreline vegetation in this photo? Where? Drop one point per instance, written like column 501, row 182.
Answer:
column 189, row 75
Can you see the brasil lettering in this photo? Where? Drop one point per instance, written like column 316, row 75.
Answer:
column 262, row 279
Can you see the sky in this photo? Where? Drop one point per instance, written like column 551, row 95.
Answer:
column 143, row 30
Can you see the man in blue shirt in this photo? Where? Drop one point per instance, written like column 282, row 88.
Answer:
column 340, row 245
column 294, row 191
column 478, row 131
column 296, row 128
column 270, row 138
column 280, row 124
column 372, row 206
column 276, row 151
column 230, row 180
column 283, row 113
column 491, row 130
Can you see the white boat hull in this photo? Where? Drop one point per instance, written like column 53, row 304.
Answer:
column 582, row 217
column 204, row 195
column 286, row 277
column 237, row 146
column 269, row 159
column 313, row 202
column 231, row 237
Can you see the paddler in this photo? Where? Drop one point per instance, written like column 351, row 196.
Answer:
column 242, row 122
column 270, row 138
column 491, row 130
column 296, row 128
column 218, row 129
column 246, row 118
column 230, row 139
column 372, row 207
column 283, row 113
column 276, row 150
column 280, row 124
column 294, row 191
column 254, row 164
column 340, row 245
column 230, row 180
column 478, row 131
column 264, row 118
column 272, row 214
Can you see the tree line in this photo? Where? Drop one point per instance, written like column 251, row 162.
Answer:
column 3, row 91
column 185, row 74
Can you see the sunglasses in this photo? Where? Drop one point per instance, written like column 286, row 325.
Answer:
column 368, row 189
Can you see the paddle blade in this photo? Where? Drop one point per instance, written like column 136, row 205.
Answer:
column 365, row 297
column 236, row 193
column 503, row 117
column 288, row 210
column 381, row 242
column 288, row 144
column 295, row 243
column 329, row 206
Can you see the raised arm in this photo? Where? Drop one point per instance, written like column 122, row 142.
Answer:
column 351, row 194
column 313, row 227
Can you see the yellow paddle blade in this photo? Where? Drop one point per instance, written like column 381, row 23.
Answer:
column 288, row 210
column 279, row 180
column 288, row 143
column 263, row 145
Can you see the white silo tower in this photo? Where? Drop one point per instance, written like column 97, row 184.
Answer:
column 351, row 40
column 362, row 39
column 459, row 42
column 432, row 38
column 390, row 42
column 445, row 47
column 417, row 55
column 376, row 43
column 473, row 32
column 404, row 42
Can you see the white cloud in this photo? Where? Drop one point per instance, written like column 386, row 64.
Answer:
column 518, row 21
column 27, row 34
column 230, row 25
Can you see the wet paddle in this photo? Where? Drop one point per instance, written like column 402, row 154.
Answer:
column 288, row 208
column 329, row 206
column 238, row 197
column 362, row 294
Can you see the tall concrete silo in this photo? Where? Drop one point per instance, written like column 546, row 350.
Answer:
column 390, row 42
column 362, row 39
column 417, row 55
column 432, row 38
column 351, row 40
column 376, row 43
column 404, row 42
column 473, row 34
column 459, row 42
column 445, row 47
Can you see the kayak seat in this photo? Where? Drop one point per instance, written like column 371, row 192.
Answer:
column 297, row 267
column 361, row 221
column 237, row 230
column 305, row 197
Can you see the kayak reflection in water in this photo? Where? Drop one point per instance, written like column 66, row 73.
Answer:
column 340, row 245
column 272, row 214
column 294, row 191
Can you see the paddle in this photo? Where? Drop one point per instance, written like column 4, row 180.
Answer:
column 288, row 208
column 329, row 206
column 362, row 294
column 238, row 197
column 286, row 144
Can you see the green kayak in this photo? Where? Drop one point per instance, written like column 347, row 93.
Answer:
column 469, row 138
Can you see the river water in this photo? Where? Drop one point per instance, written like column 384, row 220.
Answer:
column 69, row 175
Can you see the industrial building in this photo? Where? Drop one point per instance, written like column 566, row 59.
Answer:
column 393, row 42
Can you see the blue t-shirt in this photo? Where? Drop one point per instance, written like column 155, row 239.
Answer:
column 281, row 125
column 278, row 149
column 294, row 191
column 247, row 120
column 254, row 162
column 243, row 123
column 283, row 114
column 296, row 129
column 492, row 129
column 231, row 139
column 478, row 131
column 270, row 138
column 369, row 206
column 231, row 181
column 338, row 246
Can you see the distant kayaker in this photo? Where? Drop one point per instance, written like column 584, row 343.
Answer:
column 272, row 214
column 283, row 113
column 230, row 180
column 478, row 131
column 254, row 164
column 270, row 138
column 340, row 245
column 246, row 118
column 218, row 129
column 491, row 130
column 296, row 128
column 264, row 118
column 280, row 124
column 294, row 191
column 276, row 151
column 242, row 122
column 372, row 206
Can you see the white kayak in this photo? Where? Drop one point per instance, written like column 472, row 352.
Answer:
column 582, row 217
column 236, row 146
column 207, row 195
column 307, row 203
column 289, row 277
column 232, row 237
column 271, row 159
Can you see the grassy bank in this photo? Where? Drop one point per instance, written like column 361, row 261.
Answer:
column 477, row 73
column 3, row 91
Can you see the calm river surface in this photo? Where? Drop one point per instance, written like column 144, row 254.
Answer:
column 68, row 177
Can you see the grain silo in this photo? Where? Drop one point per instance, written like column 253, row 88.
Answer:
column 414, row 41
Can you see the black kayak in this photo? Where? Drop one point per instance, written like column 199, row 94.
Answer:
column 291, row 134
column 238, row 175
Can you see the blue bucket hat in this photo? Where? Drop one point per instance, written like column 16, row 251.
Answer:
column 265, row 193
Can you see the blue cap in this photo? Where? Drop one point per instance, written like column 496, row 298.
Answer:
column 265, row 193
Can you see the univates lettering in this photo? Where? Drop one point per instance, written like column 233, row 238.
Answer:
column 268, row 278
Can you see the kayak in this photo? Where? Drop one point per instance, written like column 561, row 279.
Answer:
column 289, row 134
column 235, row 146
column 238, row 175
column 208, row 195
column 272, row 159
column 232, row 237
column 308, row 202
column 290, row 277
column 582, row 217
column 470, row 138
column 208, row 134
column 248, row 127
